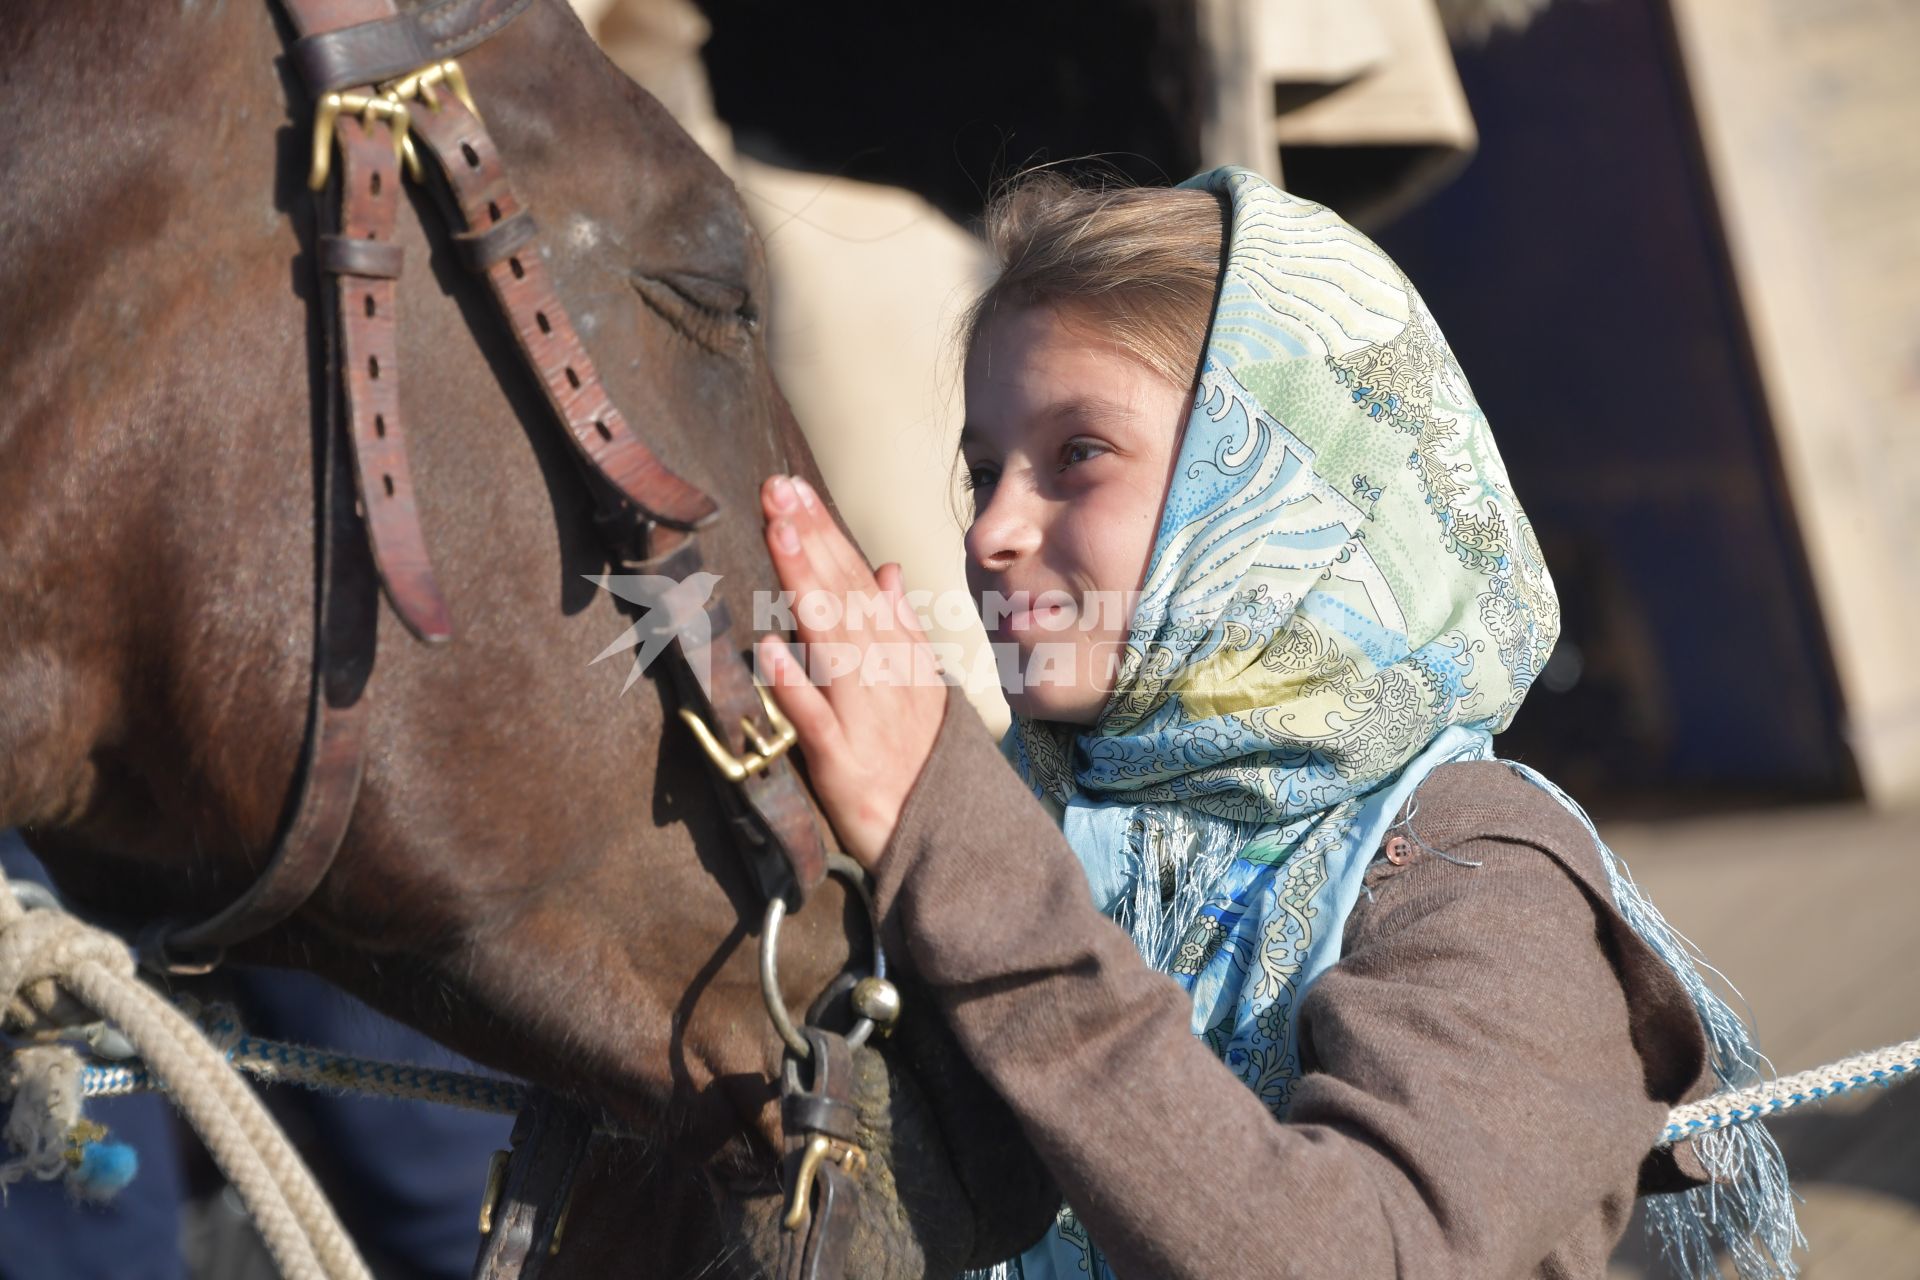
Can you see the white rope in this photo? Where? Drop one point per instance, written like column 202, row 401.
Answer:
column 43, row 1082
column 1894, row 1064
column 45, row 953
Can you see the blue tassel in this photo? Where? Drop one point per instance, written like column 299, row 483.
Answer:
column 104, row 1170
column 1747, row 1210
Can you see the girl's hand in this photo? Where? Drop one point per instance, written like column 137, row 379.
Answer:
column 869, row 726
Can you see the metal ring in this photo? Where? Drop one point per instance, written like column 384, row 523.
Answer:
column 854, row 874
column 157, row 955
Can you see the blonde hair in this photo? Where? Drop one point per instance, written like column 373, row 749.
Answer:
column 1143, row 263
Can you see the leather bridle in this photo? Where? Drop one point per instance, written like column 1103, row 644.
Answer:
column 386, row 87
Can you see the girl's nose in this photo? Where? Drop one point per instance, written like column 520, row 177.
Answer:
column 1005, row 530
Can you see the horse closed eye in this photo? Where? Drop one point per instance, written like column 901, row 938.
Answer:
column 701, row 307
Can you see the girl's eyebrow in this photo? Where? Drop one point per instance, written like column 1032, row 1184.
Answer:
column 1090, row 409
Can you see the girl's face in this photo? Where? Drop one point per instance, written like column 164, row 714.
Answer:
column 1068, row 445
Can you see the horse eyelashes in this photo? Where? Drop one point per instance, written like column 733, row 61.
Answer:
column 698, row 307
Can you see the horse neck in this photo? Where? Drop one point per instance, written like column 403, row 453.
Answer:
column 135, row 135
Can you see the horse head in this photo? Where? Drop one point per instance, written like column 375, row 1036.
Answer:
column 536, row 871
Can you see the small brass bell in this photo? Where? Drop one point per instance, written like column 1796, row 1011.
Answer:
column 878, row 999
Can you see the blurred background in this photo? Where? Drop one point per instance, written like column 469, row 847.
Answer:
column 1676, row 246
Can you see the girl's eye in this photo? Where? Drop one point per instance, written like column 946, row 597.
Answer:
column 1080, row 451
column 980, row 477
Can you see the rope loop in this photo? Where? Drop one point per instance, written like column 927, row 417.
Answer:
column 47, row 956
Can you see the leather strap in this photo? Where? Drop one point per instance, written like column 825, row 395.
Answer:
column 829, row 1235
column 327, row 777
column 818, row 1251
column 492, row 245
column 808, row 1113
column 386, row 45
column 317, row 18
column 361, row 418
column 788, row 840
column 523, row 288
column 778, row 836
column 345, row 256
column 366, row 53
column 550, row 1140
column 370, row 363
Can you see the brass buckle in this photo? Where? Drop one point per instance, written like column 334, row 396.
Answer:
column 490, row 1198
column 419, row 86
column 819, row 1148
column 560, row 1223
column 764, row 752
column 388, row 104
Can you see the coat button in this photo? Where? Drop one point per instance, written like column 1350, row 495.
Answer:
column 1396, row 850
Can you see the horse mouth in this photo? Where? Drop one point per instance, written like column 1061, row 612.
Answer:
column 910, row 1217
column 927, row 1205
column 720, row 1215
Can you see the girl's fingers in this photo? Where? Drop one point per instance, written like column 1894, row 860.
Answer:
column 811, row 554
column 839, row 560
column 776, row 666
column 793, row 559
column 888, row 576
column 786, row 537
column 797, row 698
column 791, row 499
column 778, row 498
column 836, row 555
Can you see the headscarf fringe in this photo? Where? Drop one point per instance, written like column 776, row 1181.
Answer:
column 1174, row 859
column 1178, row 855
column 1747, row 1210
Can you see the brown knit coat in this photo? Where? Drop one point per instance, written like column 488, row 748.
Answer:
column 1488, row 1064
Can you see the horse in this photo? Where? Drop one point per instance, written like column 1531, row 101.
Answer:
column 536, row 871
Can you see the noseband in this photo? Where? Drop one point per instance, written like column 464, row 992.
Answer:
column 387, row 88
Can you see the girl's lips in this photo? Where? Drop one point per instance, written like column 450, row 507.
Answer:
column 1041, row 618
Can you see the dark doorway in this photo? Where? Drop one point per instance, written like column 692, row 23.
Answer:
column 1578, row 268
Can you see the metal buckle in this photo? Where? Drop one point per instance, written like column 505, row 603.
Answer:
column 419, row 85
column 490, row 1198
column 560, row 1223
column 764, row 752
column 819, row 1148
column 390, row 105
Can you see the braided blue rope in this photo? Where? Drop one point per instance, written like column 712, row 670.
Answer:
column 1890, row 1066
column 339, row 1074
column 278, row 1061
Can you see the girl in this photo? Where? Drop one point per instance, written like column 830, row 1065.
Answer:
column 1263, row 595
